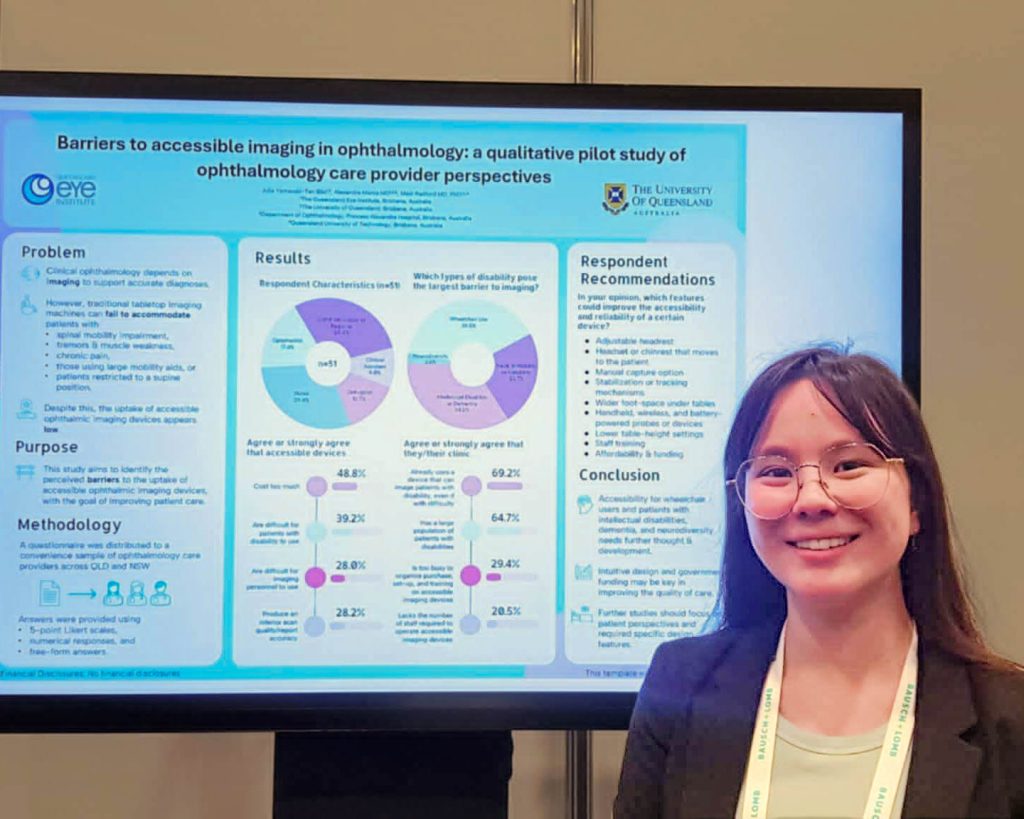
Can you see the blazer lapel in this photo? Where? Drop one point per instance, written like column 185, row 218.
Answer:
column 721, row 722
column 943, row 766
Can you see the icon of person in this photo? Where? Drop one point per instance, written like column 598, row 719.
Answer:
column 137, row 593
column 27, row 307
column 160, row 597
column 113, row 596
column 25, row 411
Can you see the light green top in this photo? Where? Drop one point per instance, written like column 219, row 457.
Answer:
column 815, row 776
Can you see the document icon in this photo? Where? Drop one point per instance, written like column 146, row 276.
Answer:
column 49, row 593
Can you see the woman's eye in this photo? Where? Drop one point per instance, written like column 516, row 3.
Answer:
column 850, row 466
column 777, row 472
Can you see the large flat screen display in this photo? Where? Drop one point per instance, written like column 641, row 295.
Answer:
column 340, row 403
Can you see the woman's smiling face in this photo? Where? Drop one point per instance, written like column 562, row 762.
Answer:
column 801, row 424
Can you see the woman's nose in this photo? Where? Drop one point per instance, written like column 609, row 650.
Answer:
column 811, row 498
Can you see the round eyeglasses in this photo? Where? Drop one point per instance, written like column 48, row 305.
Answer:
column 854, row 475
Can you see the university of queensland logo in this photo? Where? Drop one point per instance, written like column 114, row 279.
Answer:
column 616, row 197
column 37, row 189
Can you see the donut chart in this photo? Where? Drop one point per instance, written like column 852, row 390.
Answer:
column 511, row 364
column 327, row 363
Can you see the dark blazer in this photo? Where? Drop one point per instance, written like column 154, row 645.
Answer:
column 689, row 737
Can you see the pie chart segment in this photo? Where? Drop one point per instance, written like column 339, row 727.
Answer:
column 360, row 396
column 303, row 400
column 289, row 342
column 451, row 401
column 480, row 325
column 465, row 322
column 327, row 363
column 346, row 323
column 515, row 372
column 377, row 366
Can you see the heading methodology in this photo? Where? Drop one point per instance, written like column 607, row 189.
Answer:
column 108, row 527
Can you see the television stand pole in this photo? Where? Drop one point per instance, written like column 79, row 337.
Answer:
column 577, row 775
column 578, row 804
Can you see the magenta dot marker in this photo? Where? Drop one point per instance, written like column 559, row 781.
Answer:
column 471, row 485
column 317, row 486
column 315, row 577
column 470, row 575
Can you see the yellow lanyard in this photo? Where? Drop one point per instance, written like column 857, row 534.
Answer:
column 891, row 759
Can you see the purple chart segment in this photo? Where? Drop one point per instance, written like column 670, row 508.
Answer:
column 515, row 373
column 451, row 402
column 360, row 396
column 345, row 323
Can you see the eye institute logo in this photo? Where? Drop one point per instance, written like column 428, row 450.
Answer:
column 616, row 197
column 67, row 190
column 37, row 189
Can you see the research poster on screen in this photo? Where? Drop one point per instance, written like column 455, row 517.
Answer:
column 298, row 399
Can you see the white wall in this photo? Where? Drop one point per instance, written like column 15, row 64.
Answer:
column 525, row 40
column 969, row 60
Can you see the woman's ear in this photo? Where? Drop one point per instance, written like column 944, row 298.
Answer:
column 915, row 522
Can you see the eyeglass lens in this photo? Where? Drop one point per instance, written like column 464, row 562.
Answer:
column 854, row 476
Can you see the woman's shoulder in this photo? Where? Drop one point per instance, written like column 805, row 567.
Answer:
column 693, row 649
column 998, row 690
column 686, row 660
column 999, row 694
column 676, row 670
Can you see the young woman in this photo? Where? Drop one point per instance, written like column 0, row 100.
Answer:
column 848, row 677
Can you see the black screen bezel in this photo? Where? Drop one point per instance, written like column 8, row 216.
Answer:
column 447, row 710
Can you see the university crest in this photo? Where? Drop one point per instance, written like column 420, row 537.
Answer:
column 616, row 197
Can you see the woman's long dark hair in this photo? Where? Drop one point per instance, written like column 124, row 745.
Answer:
column 874, row 401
